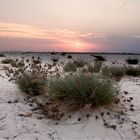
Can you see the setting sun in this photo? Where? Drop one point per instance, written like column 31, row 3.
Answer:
column 78, row 44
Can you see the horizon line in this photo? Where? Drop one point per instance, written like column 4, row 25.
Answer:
column 24, row 52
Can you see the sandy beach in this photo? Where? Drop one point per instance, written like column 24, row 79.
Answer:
column 35, row 126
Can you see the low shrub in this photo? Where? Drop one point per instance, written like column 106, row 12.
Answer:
column 53, row 53
column 116, row 72
column 7, row 61
column 2, row 55
column 83, row 89
column 14, row 63
column 133, row 71
column 90, row 68
column 132, row 61
column 70, row 66
column 94, row 68
column 32, row 83
column 69, row 56
column 30, row 77
column 55, row 59
column 36, row 61
column 63, row 53
column 99, row 58
column 79, row 62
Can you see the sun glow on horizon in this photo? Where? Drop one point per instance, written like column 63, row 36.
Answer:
column 28, row 37
column 78, row 44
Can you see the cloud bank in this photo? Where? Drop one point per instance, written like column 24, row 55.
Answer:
column 22, row 37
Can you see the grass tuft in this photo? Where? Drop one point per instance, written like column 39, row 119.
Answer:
column 83, row 89
column 30, row 76
column 133, row 71
column 70, row 66
column 32, row 83
column 95, row 68
column 79, row 62
column 116, row 72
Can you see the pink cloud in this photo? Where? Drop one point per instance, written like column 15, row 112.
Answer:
column 18, row 34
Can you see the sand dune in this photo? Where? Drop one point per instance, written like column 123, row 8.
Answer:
column 20, row 121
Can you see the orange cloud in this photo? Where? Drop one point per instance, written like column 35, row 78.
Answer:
column 65, row 38
column 21, row 30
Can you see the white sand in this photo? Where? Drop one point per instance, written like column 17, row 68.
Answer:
column 15, row 127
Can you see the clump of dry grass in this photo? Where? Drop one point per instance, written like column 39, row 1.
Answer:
column 2, row 55
column 79, row 62
column 12, row 62
column 119, row 71
column 7, row 61
column 114, row 71
column 31, row 77
column 82, row 89
column 95, row 68
column 133, row 71
column 70, row 67
column 17, row 63
column 32, row 83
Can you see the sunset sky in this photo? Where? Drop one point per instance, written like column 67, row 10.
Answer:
column 70, row 25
